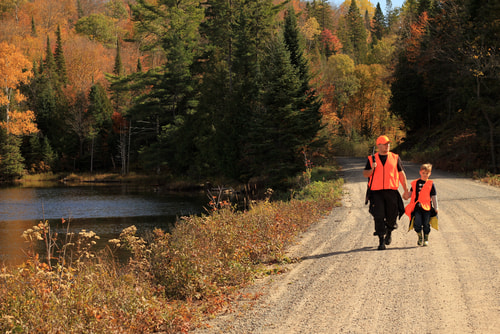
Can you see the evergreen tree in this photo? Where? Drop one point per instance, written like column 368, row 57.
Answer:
column 33, row 27
column 139, row 65
column 11, row 160
column 322, row 12
column 307, row 100
column 49, row 64
column 100, row 107
column 237, row 32
column 79, row 9
column 173, row 93
column 49, row 157
column 59, row 58
column 367, row 20
column 253, row 29
column 391, row 16
column 118, row 69
column 100, row 112
column 47, row 100
column 120, row 100
column 357, row 34
column 273, row 147
column 216, row 137
column 40, row 157
column 378, row 28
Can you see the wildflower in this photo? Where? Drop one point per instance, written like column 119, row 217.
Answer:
column 115, row 242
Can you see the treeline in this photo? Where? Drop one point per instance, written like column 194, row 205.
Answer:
column 446, row 84
column 241, row 89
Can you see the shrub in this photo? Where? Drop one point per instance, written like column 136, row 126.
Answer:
column 170, row 280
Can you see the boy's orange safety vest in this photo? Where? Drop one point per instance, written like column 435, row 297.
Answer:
column 424, row 197
column 385, row 176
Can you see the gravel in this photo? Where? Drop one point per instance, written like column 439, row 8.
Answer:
column 343, row 284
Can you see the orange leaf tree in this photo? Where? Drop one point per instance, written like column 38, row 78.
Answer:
column 14, row 70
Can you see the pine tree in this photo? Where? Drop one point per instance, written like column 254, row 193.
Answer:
column 378, row 28
column 356, row 32
column 307, row 100
column 118, row 69
column 49, row 64
column 79, row 9
column 33, row 27
column 273, row 147
column 59, row 59
column 100, row 113
column 173, row 93
column 322, row 12
column 139, row 65
column 253, row 30
column 11, row 160
column 50, row 104
column 99, row 106
column 217, row 152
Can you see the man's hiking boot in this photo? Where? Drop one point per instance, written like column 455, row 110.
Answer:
column 420, row 239
column 381, row 244
column 388, row 238
column 426, row 240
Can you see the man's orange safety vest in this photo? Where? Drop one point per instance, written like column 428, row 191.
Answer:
column 424, row 197
column 385, row 176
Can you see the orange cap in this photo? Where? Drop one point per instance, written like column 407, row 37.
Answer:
column 383, row 140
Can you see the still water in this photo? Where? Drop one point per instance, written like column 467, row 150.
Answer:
column 104, row 209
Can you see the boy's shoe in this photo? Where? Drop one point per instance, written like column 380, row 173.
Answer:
column 426, row 240
column 420, row 241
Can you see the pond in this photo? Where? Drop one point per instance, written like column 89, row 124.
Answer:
column 103, row 209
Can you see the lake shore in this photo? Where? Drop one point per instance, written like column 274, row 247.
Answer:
column 166, row 182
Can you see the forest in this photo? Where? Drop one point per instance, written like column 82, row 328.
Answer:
column 246, row 90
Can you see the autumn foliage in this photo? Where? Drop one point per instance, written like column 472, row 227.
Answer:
column 171, row 282
column 15, row 69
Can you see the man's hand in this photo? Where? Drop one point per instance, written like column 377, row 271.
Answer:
column 406, row 195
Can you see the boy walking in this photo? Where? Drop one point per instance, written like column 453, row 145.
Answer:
column 423, row 199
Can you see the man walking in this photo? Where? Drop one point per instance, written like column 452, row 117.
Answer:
column 385, row 173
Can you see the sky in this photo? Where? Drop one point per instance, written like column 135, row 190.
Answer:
column 395, row 3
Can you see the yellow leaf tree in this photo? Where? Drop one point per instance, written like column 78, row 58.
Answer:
column 14, row 70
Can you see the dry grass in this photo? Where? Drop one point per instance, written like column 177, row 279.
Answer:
column 172, row 280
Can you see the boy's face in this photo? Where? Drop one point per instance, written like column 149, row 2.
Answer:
column 424, row 174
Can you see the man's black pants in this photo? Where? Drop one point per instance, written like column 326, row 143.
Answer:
column 384, row 209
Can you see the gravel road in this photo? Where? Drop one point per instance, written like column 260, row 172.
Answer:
column 343, row 284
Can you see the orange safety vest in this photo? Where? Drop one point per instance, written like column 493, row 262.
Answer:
column 385, row 176
column 424, row 197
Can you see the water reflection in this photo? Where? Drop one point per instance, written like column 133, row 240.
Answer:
column 106, row 210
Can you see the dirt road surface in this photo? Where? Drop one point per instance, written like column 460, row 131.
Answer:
column 343, row 284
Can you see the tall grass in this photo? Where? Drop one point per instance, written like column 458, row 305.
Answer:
column 172, row 280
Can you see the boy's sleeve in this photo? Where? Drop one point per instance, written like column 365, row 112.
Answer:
column 433, row 190
column 434, row 202
column 434, row 197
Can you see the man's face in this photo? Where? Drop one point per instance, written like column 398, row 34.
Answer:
column 384, row 148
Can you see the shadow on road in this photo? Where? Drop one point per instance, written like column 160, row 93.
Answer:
column 364, row 249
